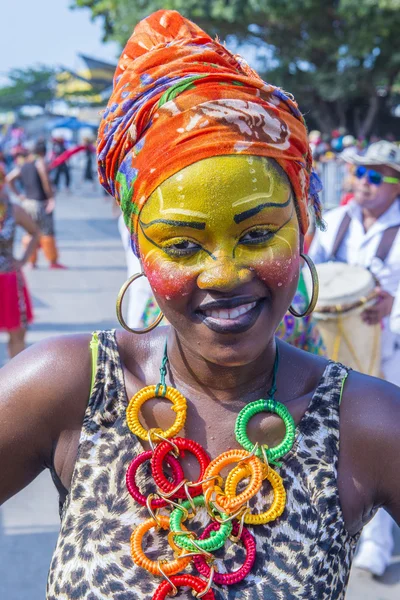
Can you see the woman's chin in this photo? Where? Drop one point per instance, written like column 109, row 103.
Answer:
column 230, row 349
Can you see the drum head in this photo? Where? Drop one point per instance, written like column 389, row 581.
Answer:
column 341, row 284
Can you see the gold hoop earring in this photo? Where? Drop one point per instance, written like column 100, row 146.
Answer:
column 121, row 319
column 315, row 289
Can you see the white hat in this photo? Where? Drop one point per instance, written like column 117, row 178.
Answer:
column 380, row 153
column 348, row 140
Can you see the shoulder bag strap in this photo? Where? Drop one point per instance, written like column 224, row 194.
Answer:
column 343, row 229
column 386, row 242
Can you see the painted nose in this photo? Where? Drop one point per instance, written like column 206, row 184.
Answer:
column 224, row 275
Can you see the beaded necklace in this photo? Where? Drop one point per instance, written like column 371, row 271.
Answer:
column 229, row 511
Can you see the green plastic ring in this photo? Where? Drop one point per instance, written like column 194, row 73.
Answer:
column 215, row 540
column 253, row 408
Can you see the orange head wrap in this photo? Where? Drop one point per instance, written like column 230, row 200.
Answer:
column 180, row 97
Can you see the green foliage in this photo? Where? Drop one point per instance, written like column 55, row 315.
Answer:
column 340, row 58
column 34, row 85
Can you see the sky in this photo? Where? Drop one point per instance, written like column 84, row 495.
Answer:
column 48, row 32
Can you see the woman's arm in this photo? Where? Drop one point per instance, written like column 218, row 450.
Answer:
column 369, row 462
column 11, row 178
column 26, row 222
column 43, row 394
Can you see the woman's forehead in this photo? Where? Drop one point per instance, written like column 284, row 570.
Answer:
column 221, row 184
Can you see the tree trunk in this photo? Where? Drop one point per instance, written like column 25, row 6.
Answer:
column 340, row 110
column 370, row 117
column 322, row 113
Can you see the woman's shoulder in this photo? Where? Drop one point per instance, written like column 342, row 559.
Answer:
column 59, row 363
column 372, row 404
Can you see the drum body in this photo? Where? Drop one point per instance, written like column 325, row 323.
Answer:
column 345, row 292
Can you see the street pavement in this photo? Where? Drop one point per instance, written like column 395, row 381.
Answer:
column 82, row 299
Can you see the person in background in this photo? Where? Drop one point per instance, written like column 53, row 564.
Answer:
column 62, row 170
column 361, row 233
column 15, row 303
column 395, row 314
column 38, row 200
column 90, row 150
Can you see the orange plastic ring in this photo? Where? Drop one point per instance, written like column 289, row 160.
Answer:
column 139, row 557
column 233, row 503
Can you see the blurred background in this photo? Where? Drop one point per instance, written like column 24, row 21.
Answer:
column 339, row 58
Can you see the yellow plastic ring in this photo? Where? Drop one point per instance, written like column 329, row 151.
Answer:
column 147, row 393
column 278, row 504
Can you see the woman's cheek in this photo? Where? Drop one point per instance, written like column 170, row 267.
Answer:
column 168, row 280
column 278, row 270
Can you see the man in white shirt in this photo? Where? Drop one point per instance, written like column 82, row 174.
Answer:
column 366, row 232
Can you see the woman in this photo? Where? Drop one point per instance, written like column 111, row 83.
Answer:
column 38, row 200
column 89, row 152
column 15, row 306
column 212, row 170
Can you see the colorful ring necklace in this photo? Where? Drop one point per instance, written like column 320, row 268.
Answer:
column 228, row 510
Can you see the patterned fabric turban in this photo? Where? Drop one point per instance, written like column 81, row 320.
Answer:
column 180, row 97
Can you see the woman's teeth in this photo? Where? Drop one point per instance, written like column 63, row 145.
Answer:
column 230, row 313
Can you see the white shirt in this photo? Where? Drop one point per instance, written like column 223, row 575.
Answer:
column 140, row 291
column 359, row 247
column 395, row 314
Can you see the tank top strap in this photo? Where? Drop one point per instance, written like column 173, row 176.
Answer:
column 330, row 386
column 324, row 409
column 107, row 400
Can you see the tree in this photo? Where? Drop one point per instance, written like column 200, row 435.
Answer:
column 340, row 58
column 33, row 86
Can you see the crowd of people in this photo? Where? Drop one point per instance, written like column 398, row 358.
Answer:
column 217, row 180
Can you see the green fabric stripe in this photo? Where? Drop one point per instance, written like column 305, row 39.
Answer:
column 94, row 347
column 126, row 194
column 178, row 88
column 342, row 387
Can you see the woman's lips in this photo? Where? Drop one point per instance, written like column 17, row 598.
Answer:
column 231, row 320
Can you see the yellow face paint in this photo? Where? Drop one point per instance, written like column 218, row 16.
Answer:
column 217, row 224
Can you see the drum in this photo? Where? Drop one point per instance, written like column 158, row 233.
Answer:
column 344, row 292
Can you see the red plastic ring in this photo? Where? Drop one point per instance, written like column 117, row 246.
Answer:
column 161, row 451
column 133, row 489
column 195, row 583
column 228, row 578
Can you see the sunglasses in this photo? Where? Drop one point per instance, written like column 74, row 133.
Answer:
column 374, row 177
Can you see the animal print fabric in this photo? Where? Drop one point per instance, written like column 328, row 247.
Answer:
column 305, row 554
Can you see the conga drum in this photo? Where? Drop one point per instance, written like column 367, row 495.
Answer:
column 344, row 292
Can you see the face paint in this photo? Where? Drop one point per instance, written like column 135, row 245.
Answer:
column 217, row 224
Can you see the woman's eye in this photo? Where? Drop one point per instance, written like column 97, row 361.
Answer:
column 256, row 236
column 181, row 248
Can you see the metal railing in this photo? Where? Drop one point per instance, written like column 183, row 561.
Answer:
column 332, row 175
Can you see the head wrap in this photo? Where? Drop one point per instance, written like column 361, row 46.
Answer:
column 179, row 97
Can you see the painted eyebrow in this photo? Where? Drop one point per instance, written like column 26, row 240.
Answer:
column 193, row 224
column 239, row 218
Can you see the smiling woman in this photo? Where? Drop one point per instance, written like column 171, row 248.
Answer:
column 212, row 169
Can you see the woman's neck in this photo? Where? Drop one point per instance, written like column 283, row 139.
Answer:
column 193, row 371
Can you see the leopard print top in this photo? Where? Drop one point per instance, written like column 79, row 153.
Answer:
column 305, row 554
